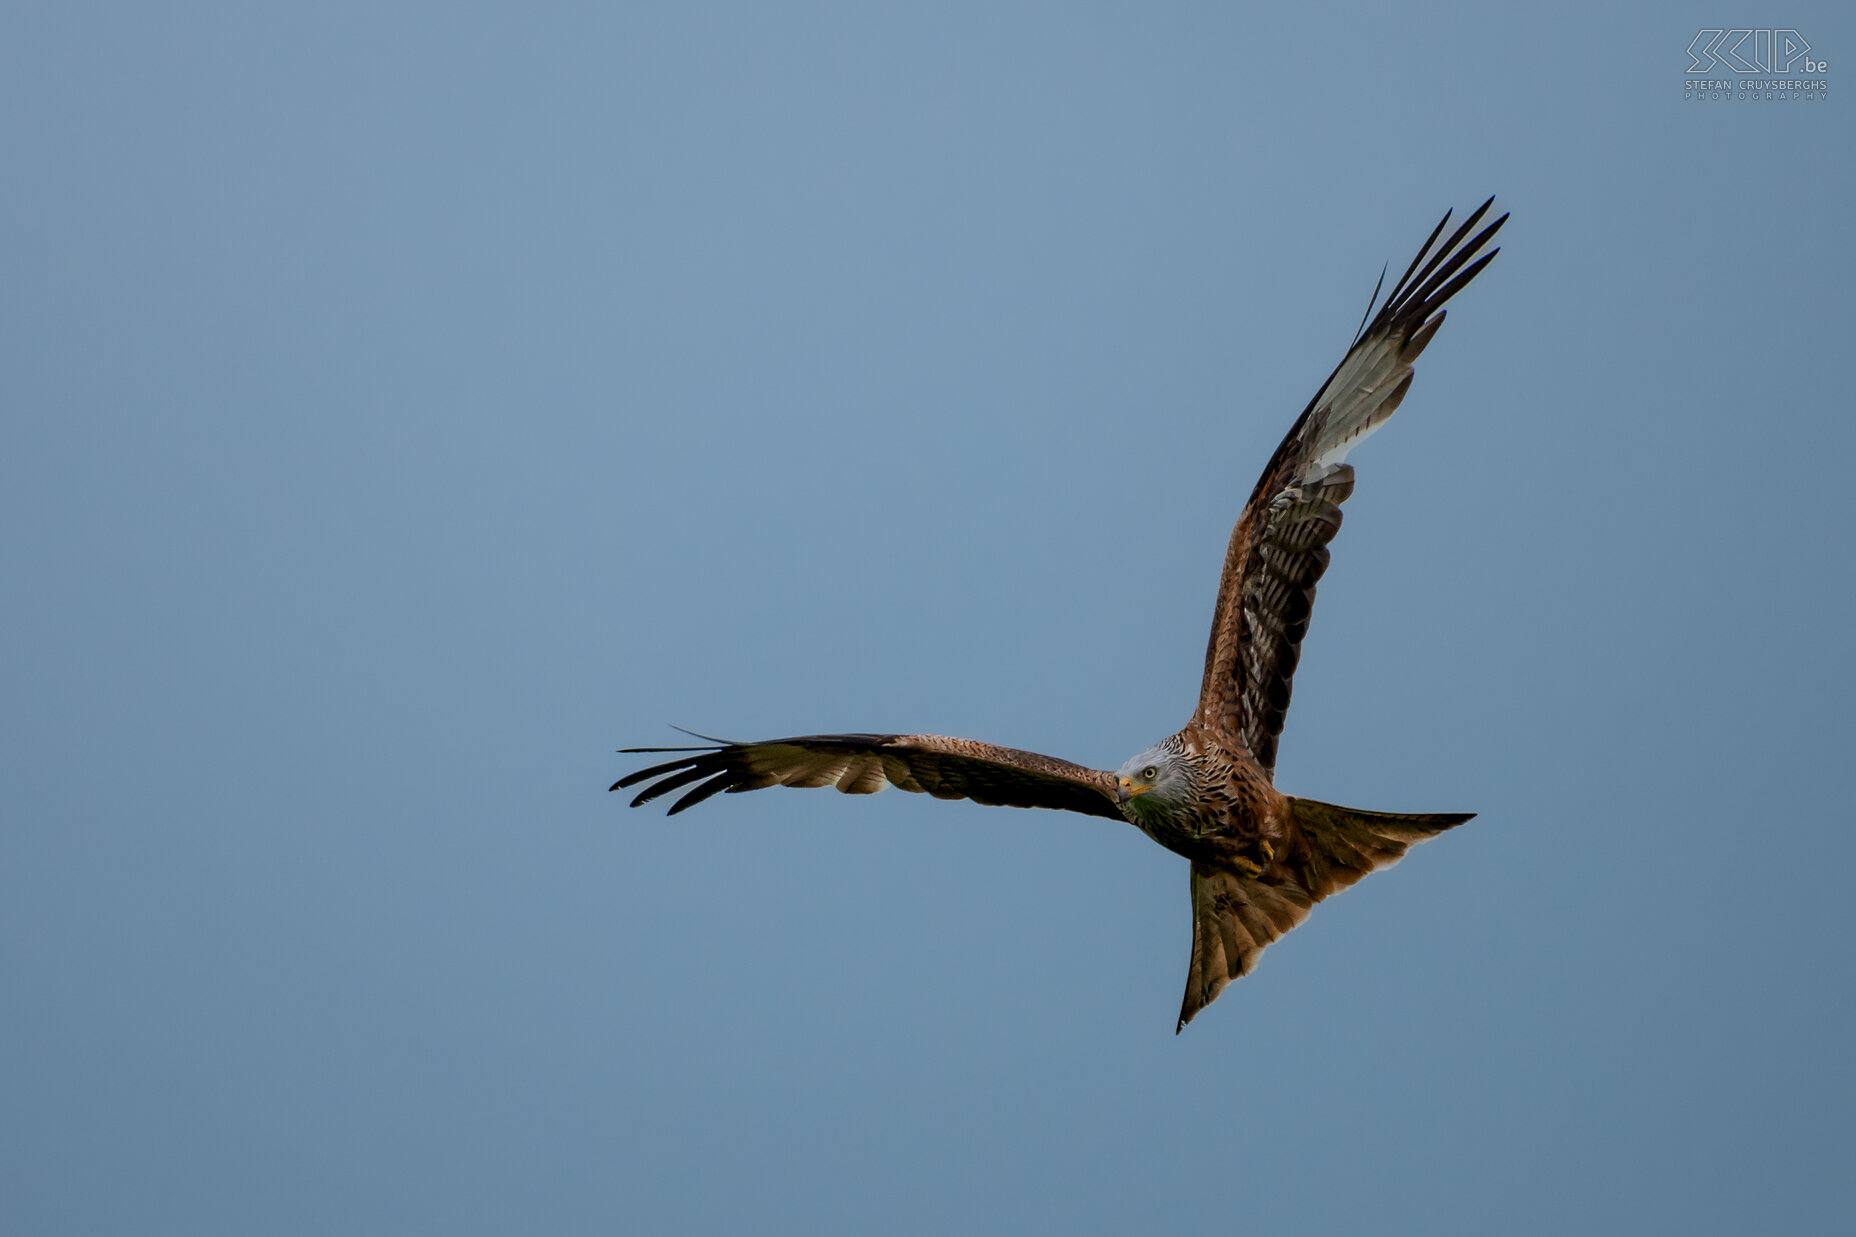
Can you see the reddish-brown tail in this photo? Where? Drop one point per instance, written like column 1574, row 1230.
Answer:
column 1237, row 913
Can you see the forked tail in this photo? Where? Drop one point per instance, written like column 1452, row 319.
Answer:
column 1237, row 913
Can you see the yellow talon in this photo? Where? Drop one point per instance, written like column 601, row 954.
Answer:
column 1269, row 852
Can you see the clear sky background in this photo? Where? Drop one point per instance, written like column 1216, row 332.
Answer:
column 401, row 408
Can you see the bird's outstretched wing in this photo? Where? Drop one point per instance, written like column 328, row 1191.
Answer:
column 1236, row 915
column 862, row 764
column 1279, row 548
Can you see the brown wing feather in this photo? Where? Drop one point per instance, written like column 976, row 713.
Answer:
column 1278, row 550
column 857, row 764
column 1236, row 915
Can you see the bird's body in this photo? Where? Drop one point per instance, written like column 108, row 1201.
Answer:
column 1231, row 808
column 1260, row 859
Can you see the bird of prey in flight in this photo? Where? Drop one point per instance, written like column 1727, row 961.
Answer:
column 1260, row 859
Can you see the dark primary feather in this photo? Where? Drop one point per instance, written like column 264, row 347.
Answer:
column 1278, row 551
column 1372, row 301
column 944, row 767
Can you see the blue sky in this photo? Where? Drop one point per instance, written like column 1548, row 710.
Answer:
column 406, row 406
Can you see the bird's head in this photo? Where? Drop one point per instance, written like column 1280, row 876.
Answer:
column 1154, row 784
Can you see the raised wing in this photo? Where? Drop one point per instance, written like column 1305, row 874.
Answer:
column 862, row 764
column 1279, row 548
column 1236, row 915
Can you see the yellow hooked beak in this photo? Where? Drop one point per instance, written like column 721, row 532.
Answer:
column 1129, row 789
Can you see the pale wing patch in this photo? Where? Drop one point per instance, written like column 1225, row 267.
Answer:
column 862, row 775
column 897, row 771
column 854, row 773
column 795, row 766
column 1361, row 398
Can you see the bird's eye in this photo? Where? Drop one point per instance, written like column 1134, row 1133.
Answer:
column 1148, row 773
